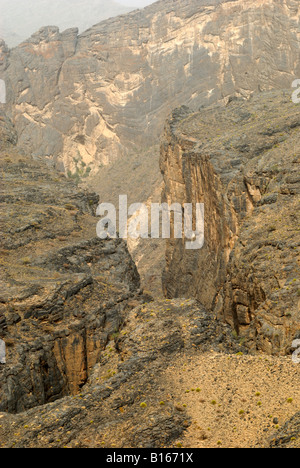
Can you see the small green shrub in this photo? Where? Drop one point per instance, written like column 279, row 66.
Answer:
column 25, row 260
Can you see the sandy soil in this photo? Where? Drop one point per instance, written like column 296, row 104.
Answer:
column 234, row 401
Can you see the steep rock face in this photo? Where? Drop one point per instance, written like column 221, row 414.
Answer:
column 154, row 386
column 242, row 162
column 84, row 100
column 128, row 400
column 64, row 293
column 90, row 361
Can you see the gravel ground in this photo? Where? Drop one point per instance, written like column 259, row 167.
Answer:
column 234, row 401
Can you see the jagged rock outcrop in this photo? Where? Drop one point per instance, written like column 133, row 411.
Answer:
column 84, row 100
column 82, row 348
column 81, row 342
column 242, row 162
column 20, row 20
column 91, row 361
column 7, row 131
column 64, row 293
column 87, row 101
column 127, row 401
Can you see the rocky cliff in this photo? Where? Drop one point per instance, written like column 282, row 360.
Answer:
column 90, row 361
column 64, row 293
column 94, row 104
column 85, row 100
column 83, row 351
column 242, row 162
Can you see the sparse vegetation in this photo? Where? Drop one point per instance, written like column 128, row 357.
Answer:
column 26, row 261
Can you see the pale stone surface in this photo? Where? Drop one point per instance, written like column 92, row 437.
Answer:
column 85, row 100
column 248, row 271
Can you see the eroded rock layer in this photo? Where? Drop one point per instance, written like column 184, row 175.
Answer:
column 85, row 100
column 242, row 162
column 64, row 292
column 90, row 361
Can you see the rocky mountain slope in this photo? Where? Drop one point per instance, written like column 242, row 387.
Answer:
column 91, row 361
column 21, row 19
column 82, row 347
column 95, row 103
column 64, row 293
column 86, row 100
column 242, row 162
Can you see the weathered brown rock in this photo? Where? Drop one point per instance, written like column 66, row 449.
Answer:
column 88, row 101
column 126, row 401
column 242, row 162
column 85, row 100
column 79, row 346
column 64, row 292
column 85, row 361
column 89, row 363
column 287, row 436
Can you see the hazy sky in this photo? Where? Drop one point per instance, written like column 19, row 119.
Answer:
column 19, row 19
column 136, row 3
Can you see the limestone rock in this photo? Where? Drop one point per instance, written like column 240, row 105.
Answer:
column 86, row 100
column 242, row 162
column 64, row 292
column 126, row 401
